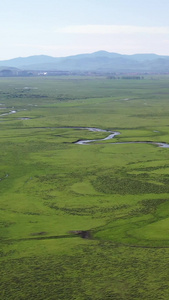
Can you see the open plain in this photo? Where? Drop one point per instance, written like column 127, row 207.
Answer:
column 53, row 189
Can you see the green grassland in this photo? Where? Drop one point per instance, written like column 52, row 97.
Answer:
column 50, row 186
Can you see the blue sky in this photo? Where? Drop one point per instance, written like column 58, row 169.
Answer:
column 69, row 27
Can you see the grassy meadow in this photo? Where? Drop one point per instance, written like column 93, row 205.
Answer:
column 117, row 190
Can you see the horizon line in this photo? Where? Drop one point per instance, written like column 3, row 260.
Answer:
column 85, row 53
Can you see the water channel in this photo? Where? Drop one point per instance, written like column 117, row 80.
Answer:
column 111, row 135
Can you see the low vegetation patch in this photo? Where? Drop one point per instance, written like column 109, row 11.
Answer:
column 84, row 221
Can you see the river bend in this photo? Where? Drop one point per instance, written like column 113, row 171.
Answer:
column 111, row 135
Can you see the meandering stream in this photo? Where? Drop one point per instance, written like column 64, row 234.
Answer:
column 111, row 136
column 9, row 113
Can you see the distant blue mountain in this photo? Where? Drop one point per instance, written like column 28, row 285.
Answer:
column 101, row 61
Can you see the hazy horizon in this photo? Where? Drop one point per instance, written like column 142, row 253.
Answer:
column 65, row 28
column 41, row 54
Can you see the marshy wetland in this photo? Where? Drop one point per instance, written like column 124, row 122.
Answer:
column 84, row 188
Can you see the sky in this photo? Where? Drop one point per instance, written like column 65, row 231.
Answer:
column 68, row 27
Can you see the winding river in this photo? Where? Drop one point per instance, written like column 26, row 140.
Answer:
column 9, row 113
column 111, row 135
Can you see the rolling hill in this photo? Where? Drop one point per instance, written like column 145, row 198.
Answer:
column 100, row 61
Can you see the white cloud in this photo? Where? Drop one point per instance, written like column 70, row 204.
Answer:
column 112, row 29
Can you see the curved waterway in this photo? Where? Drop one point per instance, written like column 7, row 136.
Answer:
column 9, row 113
column 111, row 135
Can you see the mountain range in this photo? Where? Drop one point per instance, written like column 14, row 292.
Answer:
column 100, row 62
